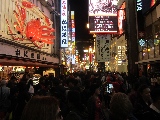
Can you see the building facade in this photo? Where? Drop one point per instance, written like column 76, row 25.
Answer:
column 149, row 54
column 28, row 34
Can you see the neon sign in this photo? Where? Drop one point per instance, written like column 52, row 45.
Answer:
column 121, row 17
column 142, row 42
column 139, row 5
column 33, row 30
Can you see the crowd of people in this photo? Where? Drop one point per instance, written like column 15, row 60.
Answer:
column 80, row 96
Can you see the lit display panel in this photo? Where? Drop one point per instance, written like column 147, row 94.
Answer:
column 64, row 23
column 102, row 7
column 103, row 24
column 121, row 19
column 103, row 16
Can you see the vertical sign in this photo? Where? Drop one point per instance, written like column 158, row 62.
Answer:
column 73, row 26
column 64, row 23
column 121, row 18
column 103, row 47
column 73, row 37
column 121, row 54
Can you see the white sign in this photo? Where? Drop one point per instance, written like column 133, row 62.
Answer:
column 121, row 54
column 103, row 47
column 25, row 53
column 73, row 59
column 64, row 23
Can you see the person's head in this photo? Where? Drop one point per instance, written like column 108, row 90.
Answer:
column 3, row 82
column 158, row 80
column 41, row 108
column 120, row 106
column 74, row 98
column 95, row 89
column 144, row 92
column 155, row 95
column 71, row 82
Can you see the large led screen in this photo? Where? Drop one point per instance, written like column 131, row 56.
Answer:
column 102, row 7
column 103, row 16
column 103, row 24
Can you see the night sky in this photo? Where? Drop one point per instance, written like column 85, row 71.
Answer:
column 81, row 19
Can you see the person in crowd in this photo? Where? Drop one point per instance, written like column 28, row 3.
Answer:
column 75, row 107
column 12, row 82
column 85, row 92
column 72, row 84
column 121, row 107
column 5, row 102
column 154, row 112
column 133, row 93
column 144, row 80
column 40, row 88
column 157, row 84
column 95, row 110
column 41, row 108
column 109, row 78
column 30, row 87
column 143, row 101
column 118, row 84
column 22, row 98
column 58, row 91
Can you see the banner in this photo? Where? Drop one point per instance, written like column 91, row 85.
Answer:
column 102, row 51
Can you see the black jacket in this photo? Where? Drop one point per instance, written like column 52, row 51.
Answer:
column 151, row 115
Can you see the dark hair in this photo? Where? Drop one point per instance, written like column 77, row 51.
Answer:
column 155, row 94
column 74, row 97
column 41, row 108
column 93, row 88
column 142, row 87
column 120, row 106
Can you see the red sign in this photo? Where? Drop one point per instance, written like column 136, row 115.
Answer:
column 33, row 30
column 121, row 17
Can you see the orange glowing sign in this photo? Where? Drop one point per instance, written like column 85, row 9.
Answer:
column 121, row 18
column 33, row 30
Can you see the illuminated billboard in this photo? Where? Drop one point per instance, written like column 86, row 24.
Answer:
column 103, row 24
column 121, row 18
column 147, row 4
column 64, row 23
column 103, row 7
column 103, row 16
column 73, row 37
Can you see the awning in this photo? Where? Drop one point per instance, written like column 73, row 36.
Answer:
column 14, row 62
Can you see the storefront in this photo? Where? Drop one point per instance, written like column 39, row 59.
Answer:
column 27, row 36
column 149, row 47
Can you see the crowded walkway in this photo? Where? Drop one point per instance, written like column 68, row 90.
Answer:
column 80, row 96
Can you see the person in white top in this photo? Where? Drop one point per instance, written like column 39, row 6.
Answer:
column 154, row 112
